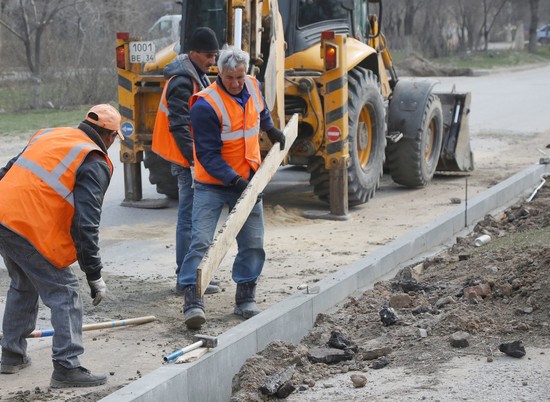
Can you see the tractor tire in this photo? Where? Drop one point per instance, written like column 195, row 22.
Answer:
column 367, row 141
column 413, row 159
column 161, row 175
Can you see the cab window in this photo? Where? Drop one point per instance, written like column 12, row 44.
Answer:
column 314, row 11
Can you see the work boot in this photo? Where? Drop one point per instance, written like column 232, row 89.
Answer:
column 213, row 287
column 245, row 300
column 63, row 377
column 193, row 308
column 13, row 362
column 215, row 281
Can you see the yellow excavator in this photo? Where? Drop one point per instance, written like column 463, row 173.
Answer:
column 329, row 62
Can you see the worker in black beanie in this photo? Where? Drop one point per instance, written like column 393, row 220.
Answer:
column 185, row 76
column 203, row 40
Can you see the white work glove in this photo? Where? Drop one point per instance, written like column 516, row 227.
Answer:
column 98, row 290
column 192, row 168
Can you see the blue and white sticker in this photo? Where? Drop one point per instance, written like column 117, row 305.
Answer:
column 127, row 128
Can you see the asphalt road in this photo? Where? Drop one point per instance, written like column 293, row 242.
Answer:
column 509, row 102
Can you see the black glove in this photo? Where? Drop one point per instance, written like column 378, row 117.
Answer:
column 240, row 184
column 276, row 135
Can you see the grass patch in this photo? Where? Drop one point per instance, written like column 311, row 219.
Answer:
column 34, row 120
column 490, row 59
column 495, row 58
column 529, row 238
column 519, row 240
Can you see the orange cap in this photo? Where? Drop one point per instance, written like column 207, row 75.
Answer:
column 107, row 117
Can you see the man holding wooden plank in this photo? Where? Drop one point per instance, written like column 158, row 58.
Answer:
column 226, row 119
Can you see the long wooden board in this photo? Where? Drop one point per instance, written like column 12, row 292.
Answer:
column 238, row 215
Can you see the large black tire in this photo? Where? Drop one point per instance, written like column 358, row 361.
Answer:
column 413, row 159
column 367, row 141
column 160, row 175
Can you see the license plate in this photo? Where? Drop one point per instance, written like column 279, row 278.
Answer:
column 142, row 52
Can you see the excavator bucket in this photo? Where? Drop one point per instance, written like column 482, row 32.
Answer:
column 456, row 154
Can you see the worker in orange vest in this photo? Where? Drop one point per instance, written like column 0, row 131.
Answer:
column 226, row 119
column 51, row 196
column 185, row 76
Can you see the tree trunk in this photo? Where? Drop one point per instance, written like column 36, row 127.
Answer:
column 408, row 27
column 484, row 26
column 534, row 6
column 36, row 83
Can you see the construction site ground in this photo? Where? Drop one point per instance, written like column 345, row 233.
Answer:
column 452, row 312
column 139, row 257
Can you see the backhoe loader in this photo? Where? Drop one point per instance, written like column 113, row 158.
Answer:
column 327, row 61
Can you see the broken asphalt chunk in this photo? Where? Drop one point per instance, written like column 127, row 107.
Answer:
column 340, row 341
column 329, row 355
column 276, row 381
column 388, row 316
column 285, row 390
column 514, row 349
column 380, row 363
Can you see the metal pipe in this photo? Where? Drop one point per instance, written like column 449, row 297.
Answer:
column 543, row 180
column 237, row 39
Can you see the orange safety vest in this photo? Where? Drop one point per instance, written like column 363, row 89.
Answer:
column 164, row 143
column 239, row 129
column 36, row 194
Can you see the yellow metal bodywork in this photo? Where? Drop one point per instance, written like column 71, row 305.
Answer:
column 385, row 63
column 309, row 59
column 335, row 103
column 162, row 58
column 335, row 82
column 274, row 86
column 138, row 99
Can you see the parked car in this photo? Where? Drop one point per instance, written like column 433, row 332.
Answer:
column 165, row 31
column 543, row 35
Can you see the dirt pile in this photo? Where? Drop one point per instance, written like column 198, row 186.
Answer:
column 466, row 301
column 417, row 66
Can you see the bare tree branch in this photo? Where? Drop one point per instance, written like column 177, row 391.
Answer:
column 9, row 28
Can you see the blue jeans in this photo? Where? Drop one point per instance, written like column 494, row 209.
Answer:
column 207, row 207
column 32, row 276
column 185, row 207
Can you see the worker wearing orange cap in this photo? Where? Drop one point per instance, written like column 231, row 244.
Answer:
column 51, row 196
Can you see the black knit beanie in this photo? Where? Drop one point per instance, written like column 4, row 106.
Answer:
column 204, row 40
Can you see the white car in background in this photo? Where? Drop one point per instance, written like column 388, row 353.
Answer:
column 165, row 31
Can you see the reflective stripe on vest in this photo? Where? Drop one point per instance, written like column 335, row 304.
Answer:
column 164, row 143
column 239, row 130
column 36, row 194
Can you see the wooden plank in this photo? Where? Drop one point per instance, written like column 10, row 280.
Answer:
column 238, row 215
column 191, row 356
column 99, row 325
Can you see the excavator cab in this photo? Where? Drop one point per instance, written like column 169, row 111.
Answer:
column 204, row 13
